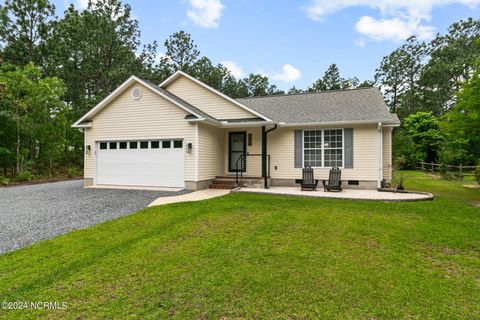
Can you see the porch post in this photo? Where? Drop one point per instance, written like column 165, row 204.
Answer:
column 264, row 157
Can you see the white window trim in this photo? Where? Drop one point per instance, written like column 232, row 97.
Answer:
column 323, row 148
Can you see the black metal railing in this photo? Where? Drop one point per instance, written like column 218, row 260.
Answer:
column 242, row 160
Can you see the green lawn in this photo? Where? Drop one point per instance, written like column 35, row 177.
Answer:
column 264, row 257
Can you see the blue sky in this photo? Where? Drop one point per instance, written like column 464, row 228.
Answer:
column 293, row 42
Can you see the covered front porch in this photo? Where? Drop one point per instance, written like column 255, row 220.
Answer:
column 246, row 161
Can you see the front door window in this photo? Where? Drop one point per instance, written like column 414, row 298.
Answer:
column 237, row 147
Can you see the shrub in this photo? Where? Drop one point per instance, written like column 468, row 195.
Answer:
column 73, row 172
column 399, row 162
column 4, row 181
column 25, row 176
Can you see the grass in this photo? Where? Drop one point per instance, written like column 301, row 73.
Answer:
column 264, row 257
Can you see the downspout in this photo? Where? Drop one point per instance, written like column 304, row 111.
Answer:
column 380, row 155
column 197, row 154
column 264, row 154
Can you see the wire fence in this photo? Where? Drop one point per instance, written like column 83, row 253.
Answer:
column 459, row 171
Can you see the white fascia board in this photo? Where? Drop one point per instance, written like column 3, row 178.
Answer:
column 179, row 72
column 331, row 123
column 391, row 125
column 87, row 125
column 246, row 124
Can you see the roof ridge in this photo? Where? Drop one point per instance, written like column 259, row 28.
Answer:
column 308, row 93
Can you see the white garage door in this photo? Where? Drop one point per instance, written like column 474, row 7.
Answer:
column 157, row 163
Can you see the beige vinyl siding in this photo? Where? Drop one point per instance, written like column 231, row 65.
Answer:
column 150, row 117
column 254, row 163
column 387, row 153
column 206, row 100
column 281, row 148
column 211, row 152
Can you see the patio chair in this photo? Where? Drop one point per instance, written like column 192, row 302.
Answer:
column 308, row 180
column 334, row 182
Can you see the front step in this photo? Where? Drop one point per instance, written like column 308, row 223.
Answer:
column 233, row 178
column 216, row 184
column 229, row 182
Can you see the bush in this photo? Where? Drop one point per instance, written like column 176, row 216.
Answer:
column 73, row 172
column 399, row 162
column 4, row 181
column 24, row 176
column 6, row 158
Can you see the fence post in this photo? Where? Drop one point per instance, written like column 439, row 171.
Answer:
column 460, row 173
column 423, row 168
column 431, row 165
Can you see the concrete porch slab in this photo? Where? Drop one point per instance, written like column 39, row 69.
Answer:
column 193, row 196
column 347, row 194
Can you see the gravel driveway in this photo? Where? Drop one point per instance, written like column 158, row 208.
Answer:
column 37, row 212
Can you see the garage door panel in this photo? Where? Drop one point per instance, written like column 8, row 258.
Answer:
column 141, row 167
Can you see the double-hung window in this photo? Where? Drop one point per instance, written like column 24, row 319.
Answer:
column 333, row 148
column 312, row 148
column 323, row 148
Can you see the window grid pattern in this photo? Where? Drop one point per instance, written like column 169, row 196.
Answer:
column 323, row 148
column 312, row 148
column 145, row 144
column 333, row 144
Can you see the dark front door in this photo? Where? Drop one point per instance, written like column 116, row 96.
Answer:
column 237, row 146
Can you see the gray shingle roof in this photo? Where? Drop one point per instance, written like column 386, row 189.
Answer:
column 355, row 105
column 182, row 102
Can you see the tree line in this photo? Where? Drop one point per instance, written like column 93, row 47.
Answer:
column 434, row 88
column 53, row 70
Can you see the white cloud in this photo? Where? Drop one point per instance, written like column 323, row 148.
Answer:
column 289, row 74
column 234, row 69
column 399, row 19
column 205, row 13
column 392, row 29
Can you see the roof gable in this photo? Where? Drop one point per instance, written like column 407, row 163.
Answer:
column 80, row 123
column 208, row 99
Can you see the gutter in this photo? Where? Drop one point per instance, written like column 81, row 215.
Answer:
column 225, row 124
column 245, row 124
column 80, row 126
column 332, row 123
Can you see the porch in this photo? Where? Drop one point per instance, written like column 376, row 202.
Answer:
column 241, row 157
column 346, row 194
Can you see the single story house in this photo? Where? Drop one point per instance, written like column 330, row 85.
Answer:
column 183, row 133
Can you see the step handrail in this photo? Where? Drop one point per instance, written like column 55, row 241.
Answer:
column 243, row 157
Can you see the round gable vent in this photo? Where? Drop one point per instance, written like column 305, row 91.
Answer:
column 136, row 93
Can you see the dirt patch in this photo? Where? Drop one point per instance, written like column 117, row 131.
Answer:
column 450, row 251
